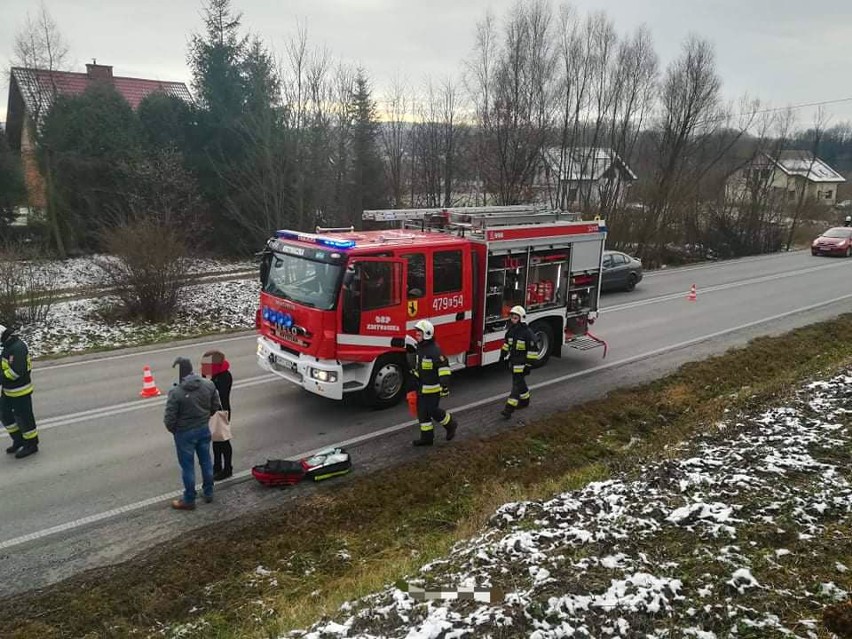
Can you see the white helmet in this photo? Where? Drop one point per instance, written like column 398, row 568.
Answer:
column 425, row 327
column 519, row 311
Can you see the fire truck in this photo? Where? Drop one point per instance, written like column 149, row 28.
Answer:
column 336, row 305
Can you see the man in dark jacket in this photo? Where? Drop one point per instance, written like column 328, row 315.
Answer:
column 432, row 377
column 16, row 397
column 189, row 406
column 521, row 350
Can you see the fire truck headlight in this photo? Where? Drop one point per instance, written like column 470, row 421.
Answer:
column 323, row 376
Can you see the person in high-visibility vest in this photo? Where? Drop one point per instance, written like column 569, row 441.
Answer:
column 521, row 351
column 16, row 399
column 432, row 377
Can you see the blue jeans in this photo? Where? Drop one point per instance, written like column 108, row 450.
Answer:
column 188, row 443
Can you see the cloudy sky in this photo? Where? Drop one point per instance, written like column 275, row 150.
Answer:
column 781, row 51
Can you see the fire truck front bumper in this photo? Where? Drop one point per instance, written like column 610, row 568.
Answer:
column 322, row 377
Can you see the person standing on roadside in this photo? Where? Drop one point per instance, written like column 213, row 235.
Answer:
column 189, row 406
column 217, row 369
column 16, row 394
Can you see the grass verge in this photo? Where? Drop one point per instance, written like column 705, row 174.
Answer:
column 284, row 569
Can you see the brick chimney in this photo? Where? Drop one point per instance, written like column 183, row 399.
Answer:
column 97, row 71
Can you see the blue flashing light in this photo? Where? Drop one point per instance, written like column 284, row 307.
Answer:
column 266, row 313
column 315, row 239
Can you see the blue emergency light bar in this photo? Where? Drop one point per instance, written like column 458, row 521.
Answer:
column 315, row 239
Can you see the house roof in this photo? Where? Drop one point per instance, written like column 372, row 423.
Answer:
column 805, row 164
column 33, row 82
column 586, row 163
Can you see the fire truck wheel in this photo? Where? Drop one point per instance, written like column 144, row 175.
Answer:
column 387, row 382
column 543, row 332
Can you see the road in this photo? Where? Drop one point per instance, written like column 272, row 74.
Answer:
column 97, row 491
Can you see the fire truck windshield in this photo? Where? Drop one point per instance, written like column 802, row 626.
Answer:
column 304, row 280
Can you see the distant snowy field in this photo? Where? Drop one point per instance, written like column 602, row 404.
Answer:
column 83, row 272
column 713, row 543
column 76, row 325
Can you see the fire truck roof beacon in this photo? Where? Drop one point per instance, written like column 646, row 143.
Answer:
column 316, row 239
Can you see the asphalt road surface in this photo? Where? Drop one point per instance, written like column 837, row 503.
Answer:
column 98, row 490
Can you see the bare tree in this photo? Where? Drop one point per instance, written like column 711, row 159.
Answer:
column 395, row 133
column 802, row 199
column 40, row 46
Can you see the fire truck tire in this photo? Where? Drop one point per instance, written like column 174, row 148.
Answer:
column 387, row 382
column 543, row 332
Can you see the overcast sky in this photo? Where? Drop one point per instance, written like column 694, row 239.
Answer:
column 781, row 51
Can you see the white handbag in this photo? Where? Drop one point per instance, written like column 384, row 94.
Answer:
column 220, row 427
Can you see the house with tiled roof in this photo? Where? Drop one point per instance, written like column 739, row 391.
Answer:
column 786, row 175
column 32, row 92
column 585, row 175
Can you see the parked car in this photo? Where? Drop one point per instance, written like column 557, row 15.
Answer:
column 620, row 271
column 836, row 241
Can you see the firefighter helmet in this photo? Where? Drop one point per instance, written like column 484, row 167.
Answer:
column 425, row 327
column 519, row 311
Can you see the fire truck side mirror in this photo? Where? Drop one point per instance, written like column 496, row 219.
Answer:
column 265, row 265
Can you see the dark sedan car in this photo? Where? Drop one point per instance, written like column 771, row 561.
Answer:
column 836, row 241
column 620, row 271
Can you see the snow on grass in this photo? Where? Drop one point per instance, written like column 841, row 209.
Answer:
column 77, row 325
column 686, row 547
column 83, row 272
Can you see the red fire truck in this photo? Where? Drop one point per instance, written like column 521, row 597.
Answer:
column 336, row 305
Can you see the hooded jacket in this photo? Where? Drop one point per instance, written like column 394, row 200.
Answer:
column 191, row 403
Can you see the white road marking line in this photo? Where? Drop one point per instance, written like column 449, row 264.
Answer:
column 139, row 404
column 47, row 366
column 720, row 263
column 242, row 475
column 719, row 287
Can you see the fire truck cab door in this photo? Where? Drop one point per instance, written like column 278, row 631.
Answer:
column 374, row 297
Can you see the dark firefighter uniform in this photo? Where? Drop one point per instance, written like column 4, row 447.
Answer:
column 431, row 376
column 521, row 350
column 16, row 402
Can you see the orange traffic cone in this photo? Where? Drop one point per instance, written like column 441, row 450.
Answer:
column 149, row 388
column 693, row 294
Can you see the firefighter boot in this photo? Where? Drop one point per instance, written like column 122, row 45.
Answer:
column 523, row 402
column 27, row 450
column 507, row 411
column 17, row 443
column 451, row 428
column 427, row 437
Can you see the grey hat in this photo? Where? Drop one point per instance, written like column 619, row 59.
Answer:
column 184, row 367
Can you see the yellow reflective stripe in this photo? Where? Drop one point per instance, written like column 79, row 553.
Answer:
column 446, row 419
column 424, row 427
column 12, row 429
column 30, row 434
column 505, row 347
column 531, row 355
column 18, row 392
column 521, row 345
column 8, row 373
column 443, row 372
column 525, row 395
column 518, row 369
column 427, row 364
column 334, row 474
column 512, row 401
column 429, row 389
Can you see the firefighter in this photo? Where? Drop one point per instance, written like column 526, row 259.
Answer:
column 16, row 401
column 848, row 221
column 432, row 376
column 521, row 350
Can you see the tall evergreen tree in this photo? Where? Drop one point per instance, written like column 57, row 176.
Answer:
column 366, row 183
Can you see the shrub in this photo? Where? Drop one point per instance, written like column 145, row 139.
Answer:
column 27, row 289
column 145, row 269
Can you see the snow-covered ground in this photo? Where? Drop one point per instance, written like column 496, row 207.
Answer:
column 77, row 325
column 83, row 272
column 723, row 539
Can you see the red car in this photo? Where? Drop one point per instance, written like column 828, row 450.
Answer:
column 836, row 241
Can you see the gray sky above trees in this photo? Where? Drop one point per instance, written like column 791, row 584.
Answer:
column 781, row 51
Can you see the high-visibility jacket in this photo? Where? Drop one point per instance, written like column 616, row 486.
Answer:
column 432, row 370
column 520, row 346
column 16, row 367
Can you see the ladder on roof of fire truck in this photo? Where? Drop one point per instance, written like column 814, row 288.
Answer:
column 473, row 218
